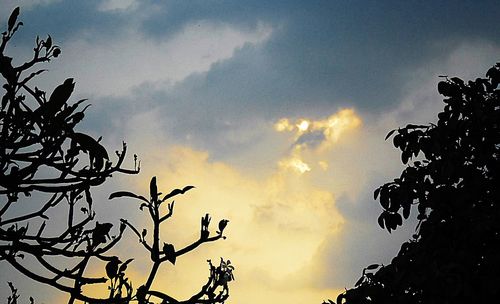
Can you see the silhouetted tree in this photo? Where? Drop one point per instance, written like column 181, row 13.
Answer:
column 452, row 177
column 46, row 164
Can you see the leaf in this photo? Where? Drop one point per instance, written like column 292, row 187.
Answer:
column 59, row 97
column 48, row 42
column 398, row 220
column 380, row 220
column 177, row 192
column 406, row 211
column 153, row 190
column 222, row 226
column 384, row 198
column 100, row 232
column 457, row 81
column 127, row 194
column 372, row 266
column 389, row 134
column 123, row 266
column 112, row 267
column 405, row 156
column 169, row 251
column 13, row 18
column 360, row 280
column 412, row 126
column 90, row 145
column 376, row 193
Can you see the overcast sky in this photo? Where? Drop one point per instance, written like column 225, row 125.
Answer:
column 275, row 110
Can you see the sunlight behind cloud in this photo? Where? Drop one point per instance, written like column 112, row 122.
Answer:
column 277, row 208
column 317, row 136
column 322, row 132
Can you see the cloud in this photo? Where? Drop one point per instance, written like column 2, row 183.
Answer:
column 9, row 5
column 281, row 207
column 118, row 5
column 116, row 66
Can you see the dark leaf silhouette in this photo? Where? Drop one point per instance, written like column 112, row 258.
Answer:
column 390, row 134
column 124, row 265
column 101, row 232
column 127, row 194
column 58, row 98
column 177, row 192
column 169, row 251
column 48, row 45
column 153, row 190
column 222, row 226
column 13, row 19
column 112, row 267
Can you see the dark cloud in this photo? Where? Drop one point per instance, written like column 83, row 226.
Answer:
column 331, row 52
column 65, row 20
column 311, row 139
column 321, row 53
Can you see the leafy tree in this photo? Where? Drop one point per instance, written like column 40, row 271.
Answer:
column 452, row 177
column 46, row 164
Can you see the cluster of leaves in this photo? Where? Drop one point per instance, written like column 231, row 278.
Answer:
column 47, row 165
column 161, row 252
column 452, row 176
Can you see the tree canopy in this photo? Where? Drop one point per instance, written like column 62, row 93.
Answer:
column 47, row 164
column 452, row 181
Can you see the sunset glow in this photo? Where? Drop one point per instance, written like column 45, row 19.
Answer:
column 275, row 112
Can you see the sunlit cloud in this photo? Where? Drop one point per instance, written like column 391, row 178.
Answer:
column 279, row 209
column 321, row 133
column 316, row 136
column 284, row 207
column 295, row 164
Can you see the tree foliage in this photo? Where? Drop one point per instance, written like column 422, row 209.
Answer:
column 47, row 164
column 452, row 179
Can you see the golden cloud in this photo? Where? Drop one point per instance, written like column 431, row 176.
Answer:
column 278, row 227
column 277, row 224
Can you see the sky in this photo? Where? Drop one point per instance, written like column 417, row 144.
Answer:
column 275, row 110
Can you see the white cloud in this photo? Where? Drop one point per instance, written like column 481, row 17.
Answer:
column 116, row 66
column 9, row 5
column 117, row 5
